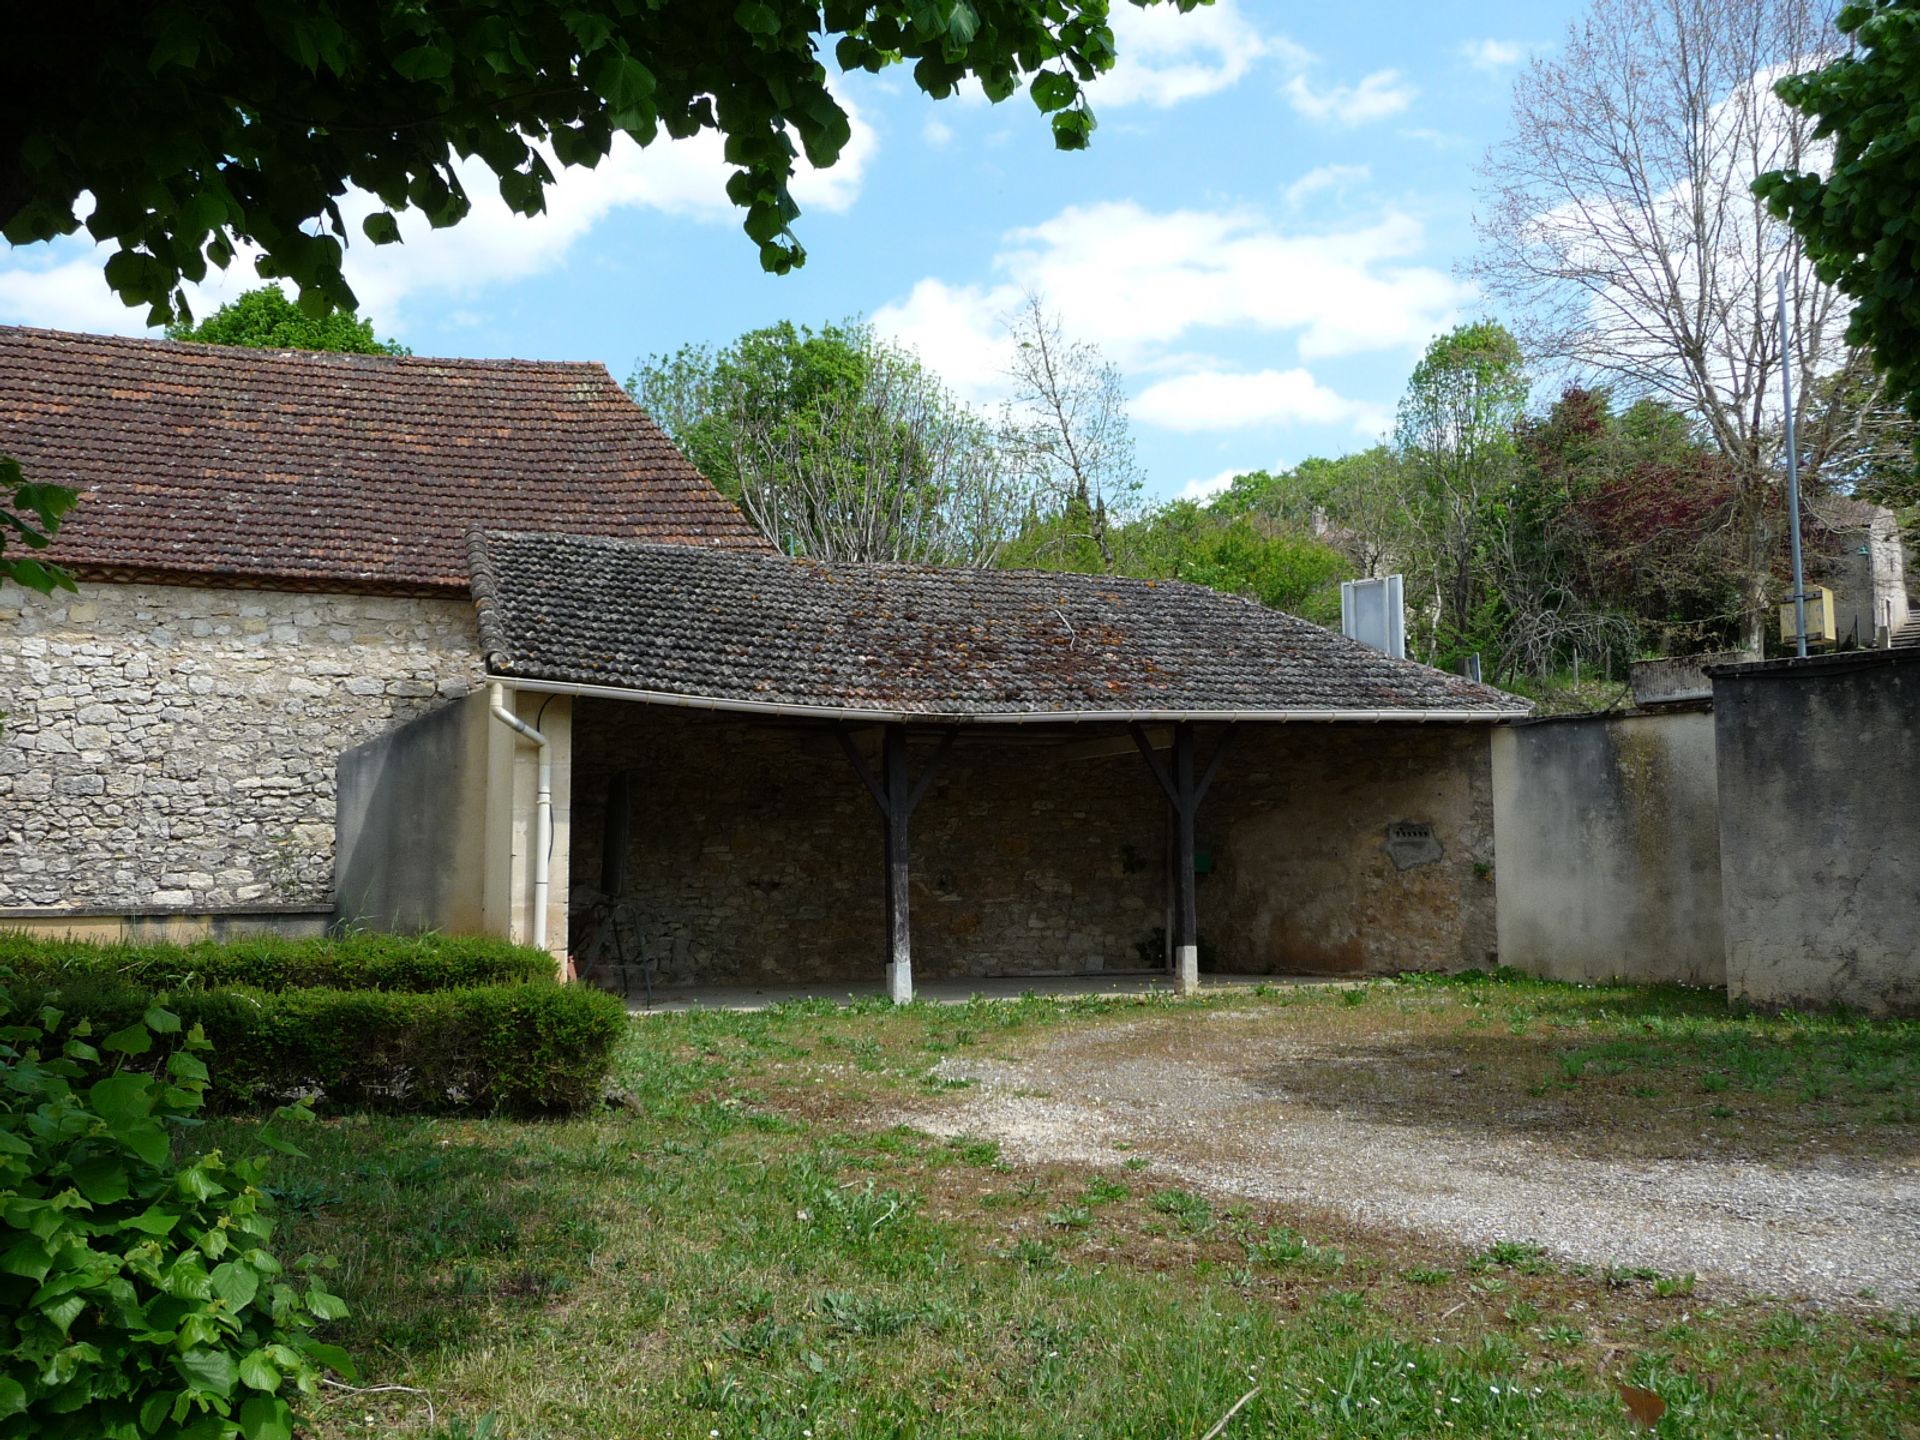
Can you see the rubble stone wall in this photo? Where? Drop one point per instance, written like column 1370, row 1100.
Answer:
column 752, row 851
column 173, row 746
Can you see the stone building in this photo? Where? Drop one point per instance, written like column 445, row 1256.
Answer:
column 468, row 645
column 785, row 771
column 270, row 548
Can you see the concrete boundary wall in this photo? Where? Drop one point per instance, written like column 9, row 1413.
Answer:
column 1819, row 781
column 435, row 826
column 1607, row 848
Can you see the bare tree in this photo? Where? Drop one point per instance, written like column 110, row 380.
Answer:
column 1621, row 224
column 1065, row 429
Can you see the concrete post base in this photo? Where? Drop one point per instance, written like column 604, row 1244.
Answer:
column 900, row 982
column 1186, row 969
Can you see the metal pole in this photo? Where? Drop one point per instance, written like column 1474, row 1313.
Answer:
column 1793, row 477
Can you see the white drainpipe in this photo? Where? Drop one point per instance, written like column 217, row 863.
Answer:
column 542, row 810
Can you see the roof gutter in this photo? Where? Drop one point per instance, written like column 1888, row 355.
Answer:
column 1018, row 717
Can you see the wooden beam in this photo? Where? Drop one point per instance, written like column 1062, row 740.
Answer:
column 933, row 768
column 1186, row 941
column 860, row 767
column 893, row 753
column 896, row 797
column 1160, row 737
column 1184, row 791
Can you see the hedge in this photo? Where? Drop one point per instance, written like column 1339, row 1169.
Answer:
column 521, row 1049
column 355, row 962
column 385, row 1022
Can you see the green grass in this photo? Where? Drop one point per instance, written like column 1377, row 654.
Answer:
column 737, row 1250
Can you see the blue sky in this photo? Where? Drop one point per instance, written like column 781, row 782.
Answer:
column 1268, row 228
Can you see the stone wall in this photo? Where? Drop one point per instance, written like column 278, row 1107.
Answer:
column 753, row 852
column 1306, row 876
column 1608, row 859
column 1820, row 830
column 174, row 746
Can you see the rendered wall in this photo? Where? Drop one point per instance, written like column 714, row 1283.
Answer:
column 411, row 824
column 754, row 852
column 1820, row 830
column 173, row 747
column 1608, row 849
column 436, row 825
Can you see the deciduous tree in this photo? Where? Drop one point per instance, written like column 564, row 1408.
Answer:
column 837, row 445
column 1066, row 431
column 265, row 319
column 1622, row 227
column 1855, row 214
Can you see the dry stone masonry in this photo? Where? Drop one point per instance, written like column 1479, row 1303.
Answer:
column 172, row 746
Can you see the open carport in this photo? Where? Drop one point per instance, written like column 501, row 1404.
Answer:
column 770, row 771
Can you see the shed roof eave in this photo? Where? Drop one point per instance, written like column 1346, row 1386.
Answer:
column 789, row 710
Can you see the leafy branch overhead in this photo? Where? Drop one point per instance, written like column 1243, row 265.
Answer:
column 198, row 126
column 30, row 514
column 1857, row 220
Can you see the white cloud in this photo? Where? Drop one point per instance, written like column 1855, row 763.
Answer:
column 937, row 133
column 1165, row 57
column 1327, row 177
column 1216, row 400
column 62, row 289
column 1201, row 491
column 1494, row 56
column 685, row 179
column 1136, row 282
column 1377, row 96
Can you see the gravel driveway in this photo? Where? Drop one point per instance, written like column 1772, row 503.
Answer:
column 1211, row 1104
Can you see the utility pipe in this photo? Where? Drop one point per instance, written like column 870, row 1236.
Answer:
column 542, row 808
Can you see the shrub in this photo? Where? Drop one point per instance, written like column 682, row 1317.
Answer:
column 521, row 1049
column 137, row 1294
column 369, row 961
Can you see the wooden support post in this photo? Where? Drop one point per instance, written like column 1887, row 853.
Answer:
column 896, row 797
column 1184, row 791
column 1186, row 939
column 893, row 751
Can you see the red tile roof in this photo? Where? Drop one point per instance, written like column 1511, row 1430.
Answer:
column 321, row 471
column 754, row 630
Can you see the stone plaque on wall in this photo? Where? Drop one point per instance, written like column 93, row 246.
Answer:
column 1411, row 843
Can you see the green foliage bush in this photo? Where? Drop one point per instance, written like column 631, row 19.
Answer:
column 368, row 961
column 137, row 1294
column 521, row 1049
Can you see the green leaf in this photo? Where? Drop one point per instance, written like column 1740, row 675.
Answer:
column 63, row 1312
column 134, row 1040
column 756, row 18
column 1052, row 91
column 13, row 1397
column 146, row 1139
column 161, row 1020
column 236, row 1283
column 101, row 1180
column 333, row 1357
column 325, row 1306
column 424, row 62
column 259, row 1373
column 153, row 1221
column 381, row 228
column 262, row 1418
column 28, row 1257
column 122, row 1097
column 208, row 1370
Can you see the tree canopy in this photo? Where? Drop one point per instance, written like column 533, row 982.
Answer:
column 198, row 126
column 1857, row 221
column 837, row 444
column 265, row 319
